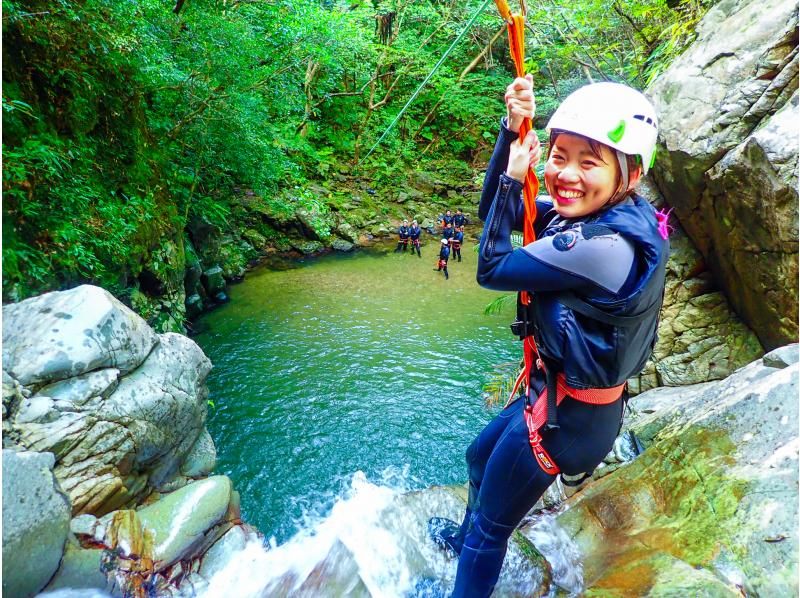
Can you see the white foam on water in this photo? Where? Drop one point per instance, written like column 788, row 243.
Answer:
column 354, row 522
column 559, row 550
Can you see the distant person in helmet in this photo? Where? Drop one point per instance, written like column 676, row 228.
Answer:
column 403, row 233
column 414, row 233
column 447, row 231
column 596, row 273
column 455, row 243
column 444, row 255
column 446, row 218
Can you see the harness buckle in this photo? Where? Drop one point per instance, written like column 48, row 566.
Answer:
column 520, row 328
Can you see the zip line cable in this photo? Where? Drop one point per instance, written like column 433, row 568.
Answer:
column 435, row 68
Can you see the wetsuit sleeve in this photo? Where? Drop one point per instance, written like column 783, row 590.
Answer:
column 574, row 259
column 497, row 166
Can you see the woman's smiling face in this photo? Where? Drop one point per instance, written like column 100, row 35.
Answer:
column 579, row 181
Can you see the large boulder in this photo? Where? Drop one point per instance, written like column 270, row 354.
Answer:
column 116, row 434
column 35, row 522
column 710, row 507
column 728, row 156
column 63, row 334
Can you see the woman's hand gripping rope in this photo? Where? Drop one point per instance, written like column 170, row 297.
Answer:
column 520, row 103
column 524, row 155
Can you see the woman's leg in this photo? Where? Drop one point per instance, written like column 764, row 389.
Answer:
column 511, row 482
column 477, row 456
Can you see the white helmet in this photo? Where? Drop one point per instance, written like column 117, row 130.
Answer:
column 444, row 241
column 613, row 114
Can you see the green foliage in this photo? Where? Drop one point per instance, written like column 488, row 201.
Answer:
column 123, row 122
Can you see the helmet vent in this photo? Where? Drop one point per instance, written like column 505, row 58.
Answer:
column 646, row 119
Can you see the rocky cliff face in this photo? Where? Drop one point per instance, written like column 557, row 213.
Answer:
column 728, row 156
column 101, row 415
column 709, row 508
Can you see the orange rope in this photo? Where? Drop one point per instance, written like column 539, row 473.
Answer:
column 516, row 43
column 530, row 188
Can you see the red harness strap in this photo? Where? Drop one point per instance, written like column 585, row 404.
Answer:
column 536, row 414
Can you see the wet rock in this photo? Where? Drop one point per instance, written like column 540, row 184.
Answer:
column 708, row 493
column 178, row 522
column 194, row 269
column 201, row 458
column 307, row 247
column 782, row 357
column 342, row 245
column 81, row 569
column 525, row 573
column 67, row 333
column 347, row 232
column 35, row 522
column 727, row 160
column 310, row 221
column 256, row 239
column 213, row 281
column 221, row 297
column 224, row 550
column 194, row 306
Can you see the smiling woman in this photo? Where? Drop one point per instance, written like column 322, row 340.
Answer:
column 597, row 276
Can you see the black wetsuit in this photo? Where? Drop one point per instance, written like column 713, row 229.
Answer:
column 414, row 233
column 615, row 258
column 455, row 244
column 444, row 255
column 403, row 242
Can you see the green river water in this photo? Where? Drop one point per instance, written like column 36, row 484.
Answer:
column 368, row 362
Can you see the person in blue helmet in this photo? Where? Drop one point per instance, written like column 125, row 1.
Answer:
column 596, row 276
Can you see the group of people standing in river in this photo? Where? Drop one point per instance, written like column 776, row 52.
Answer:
column 452, row 226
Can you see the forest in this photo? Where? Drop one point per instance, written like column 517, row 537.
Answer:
column 122, row 121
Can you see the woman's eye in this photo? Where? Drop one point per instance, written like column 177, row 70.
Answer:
column 589, row 164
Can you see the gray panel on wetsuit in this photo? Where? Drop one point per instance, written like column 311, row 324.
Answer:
column 605, row 260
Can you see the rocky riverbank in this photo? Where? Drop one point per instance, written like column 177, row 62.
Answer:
column 106, row 456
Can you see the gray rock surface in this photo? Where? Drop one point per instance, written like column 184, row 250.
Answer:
column 35, row 522
column 714, row 494
column 201, row 458
column 224, row 550
column 728, row 112
column 178, row 522
column 115, row 433
column 81, row 569
column 68, row 333
column 700, row 337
